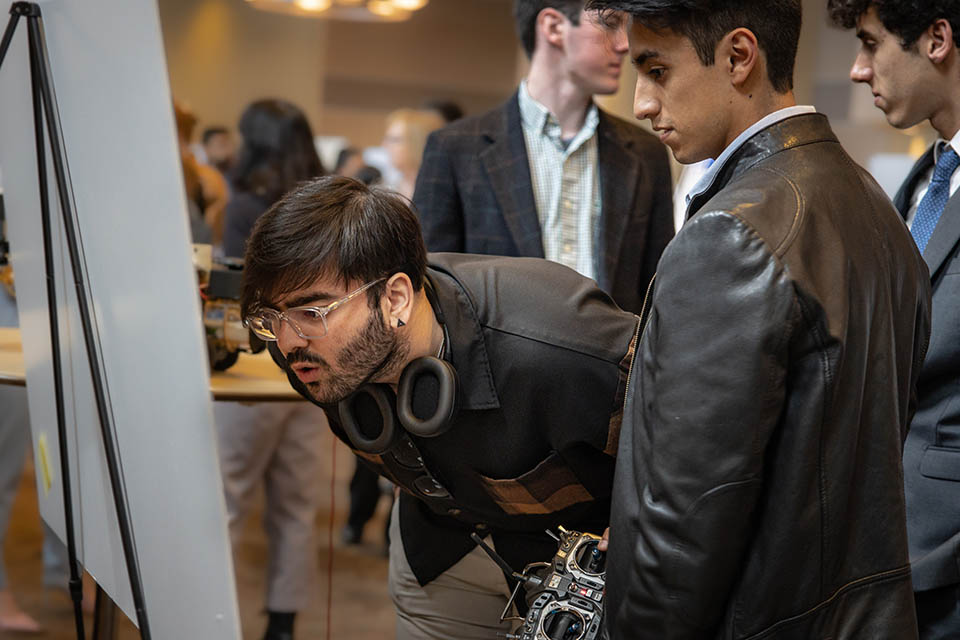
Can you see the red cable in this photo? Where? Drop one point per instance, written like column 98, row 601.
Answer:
column 333, row 502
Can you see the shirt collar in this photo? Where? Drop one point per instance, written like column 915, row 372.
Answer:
column 770, row 119
column 938, row 146
column 538, row 120
column 467, row 350
column 533, row 115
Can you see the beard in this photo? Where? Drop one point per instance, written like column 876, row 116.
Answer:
column 375, row 353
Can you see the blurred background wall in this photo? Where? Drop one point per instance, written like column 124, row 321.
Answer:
column 347, row 76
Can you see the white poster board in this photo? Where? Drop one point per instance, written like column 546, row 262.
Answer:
column 111, row 82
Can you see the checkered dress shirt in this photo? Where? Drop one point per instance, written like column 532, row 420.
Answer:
column 566, row 184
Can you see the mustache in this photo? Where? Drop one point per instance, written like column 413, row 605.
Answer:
column 302, row 355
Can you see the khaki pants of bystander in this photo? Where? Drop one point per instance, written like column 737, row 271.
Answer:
column 276, row 444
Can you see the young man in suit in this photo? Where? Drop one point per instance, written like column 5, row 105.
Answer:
column 548, row 174
column 758, row 486
column 909, row 56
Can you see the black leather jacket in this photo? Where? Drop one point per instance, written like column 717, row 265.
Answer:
column 758, row 491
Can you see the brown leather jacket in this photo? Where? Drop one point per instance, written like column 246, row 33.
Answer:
column 759, row 489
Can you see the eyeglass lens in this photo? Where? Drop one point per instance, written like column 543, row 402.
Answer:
column 308, row 323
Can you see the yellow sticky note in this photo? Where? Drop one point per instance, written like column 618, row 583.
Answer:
column 45, row 470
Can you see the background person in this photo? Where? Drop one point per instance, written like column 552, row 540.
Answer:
column 14, row 446
column 548, row 174
column 206, row 188
column 349, row 161
column 14, row 441
column 219, row 148
column 404, row 140
column 909, row 57
column 277, row 152
column 449, row 110
column 369, row 176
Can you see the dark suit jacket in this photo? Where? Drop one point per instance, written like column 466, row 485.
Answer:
column 474, row 195
column 931, row 456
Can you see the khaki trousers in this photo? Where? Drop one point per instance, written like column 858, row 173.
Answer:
column 463, row 603
column 278, row 444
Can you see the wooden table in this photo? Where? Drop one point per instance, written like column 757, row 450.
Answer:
column 255, row 378
column 11, row 358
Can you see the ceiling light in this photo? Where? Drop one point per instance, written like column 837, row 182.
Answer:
column 409, row 5
column 384, row 8
column 313, row 5
column 358, row 10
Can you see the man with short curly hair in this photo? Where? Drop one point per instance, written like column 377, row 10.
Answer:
column 910, row 58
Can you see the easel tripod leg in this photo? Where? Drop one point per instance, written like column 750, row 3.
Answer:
column 75, row 585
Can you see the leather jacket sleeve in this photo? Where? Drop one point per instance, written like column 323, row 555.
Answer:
column 706, row 405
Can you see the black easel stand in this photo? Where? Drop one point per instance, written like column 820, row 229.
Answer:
column 45, row 109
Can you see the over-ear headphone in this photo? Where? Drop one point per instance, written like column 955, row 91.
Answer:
column 427, row 397
column 369, row 418
column 425, row 404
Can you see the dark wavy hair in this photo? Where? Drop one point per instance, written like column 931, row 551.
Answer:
column 277, row 150
column 775, row 23
column 906, row 19
column 332, row 227
column 525, row 14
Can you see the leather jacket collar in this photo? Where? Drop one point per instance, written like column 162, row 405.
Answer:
column 780, row 136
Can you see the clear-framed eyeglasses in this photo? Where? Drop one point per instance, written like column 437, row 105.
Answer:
column 309, row 322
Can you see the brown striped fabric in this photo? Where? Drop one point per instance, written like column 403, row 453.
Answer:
column 548, row 488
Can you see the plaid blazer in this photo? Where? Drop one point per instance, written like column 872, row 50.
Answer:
column 474, row 195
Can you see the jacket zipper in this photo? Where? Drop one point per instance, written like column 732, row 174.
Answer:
column 641, row 329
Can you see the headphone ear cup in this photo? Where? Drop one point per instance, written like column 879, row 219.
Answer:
column 428, row 387
column 369, row 418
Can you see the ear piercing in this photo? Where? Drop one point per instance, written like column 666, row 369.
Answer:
column 400, row 323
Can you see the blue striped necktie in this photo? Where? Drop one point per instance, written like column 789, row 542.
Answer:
column 931, row 206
